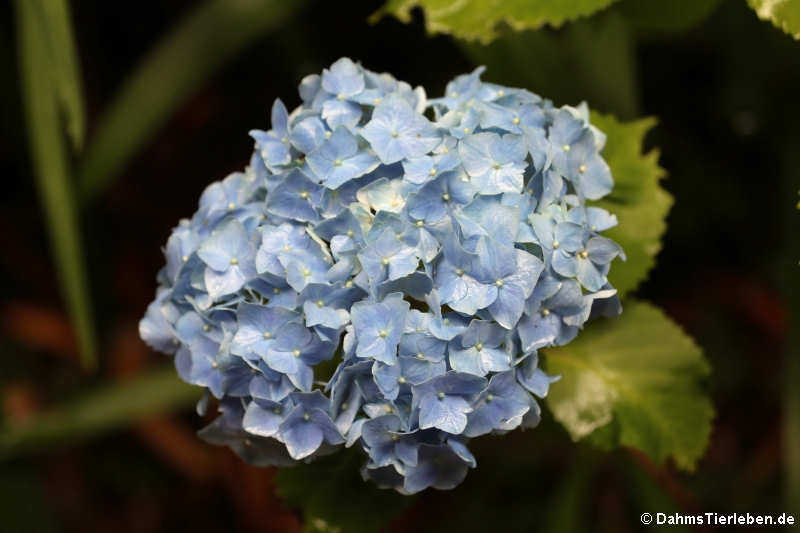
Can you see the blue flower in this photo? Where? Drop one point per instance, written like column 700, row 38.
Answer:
column 427, row 259
column 327, row 305
column 296, row 198
column 228, row 198
column 308, row 425
column 230, row 256
column 298, row 353
column 444, row 401
column 530, row 376
column 378, row 327
column 338, row 160
column 496, row 164
column 549, row 311
column 478, row 350
column 396, row 131
column 273, row 145
column 387, row 443
column 261, row 328
column 408, row 371
column 438, row 197
column 439, row 466
column 388, row 257
column 500, row 407
column 264, row 417
column 344, row 79
column 512, row 274
column 156, row 327
column 227, row 430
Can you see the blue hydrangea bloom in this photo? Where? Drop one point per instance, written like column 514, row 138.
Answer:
column 427, row 248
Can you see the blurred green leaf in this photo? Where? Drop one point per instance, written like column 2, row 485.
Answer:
column 639, row 202
column 334, row 497
column 569, row 494
column 784, row 14
column 646, row 495
column 644, row 374
column 590, row 59
column 666, row 15
column 24, row 501
column 52, row 170
column 109, row 407
column 479, row 19
column 191, row 53
column 55, row 26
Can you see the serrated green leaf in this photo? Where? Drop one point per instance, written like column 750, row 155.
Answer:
column 639, row 202
column 191, row 53
column 53, row 173
column 103, row 409
column 479, row 19
column 334, row 497
column 639, row 381
column 784, row 14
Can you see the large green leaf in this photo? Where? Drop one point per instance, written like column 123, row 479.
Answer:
column 639, row 202
column 200, row 45
column 640, row 381
column 106, row 408
column 334, row 497
column 785, row 14
column 52, row 170
column 479, row 19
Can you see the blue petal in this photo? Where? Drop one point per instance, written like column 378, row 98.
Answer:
column 302, row 438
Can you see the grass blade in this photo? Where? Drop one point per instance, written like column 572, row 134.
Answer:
column 56, row 28
column 110, row 407
column 52, row 170
column 202, row 43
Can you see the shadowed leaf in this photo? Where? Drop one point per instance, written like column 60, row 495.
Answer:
column 638, row 380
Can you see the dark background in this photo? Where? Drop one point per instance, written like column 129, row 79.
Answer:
column 726, row 96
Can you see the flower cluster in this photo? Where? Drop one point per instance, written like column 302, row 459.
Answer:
column 426, row 248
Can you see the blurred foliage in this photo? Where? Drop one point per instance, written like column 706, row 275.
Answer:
column 784, row 14
column 639, row 381
column 666, row 15
column 106, row 408
column 56, row 30
column 478, row 19
column 185, row 58
column 589, row 60
column 48, row 75
column 334, row 498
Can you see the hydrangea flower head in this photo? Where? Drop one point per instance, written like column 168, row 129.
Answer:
column 426, row 248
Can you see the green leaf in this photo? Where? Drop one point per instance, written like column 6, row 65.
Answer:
column 666, row 15
column 109, row 407
column 639, row 202
column 639, row 380
column 199, row 46
column 785, row 14
column 55, row 25
column 479, row 19
column 334, row 497
column 52, row 171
